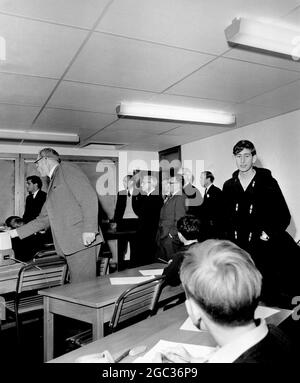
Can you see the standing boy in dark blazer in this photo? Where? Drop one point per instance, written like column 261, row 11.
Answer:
column 35, row 199
column 212, row 206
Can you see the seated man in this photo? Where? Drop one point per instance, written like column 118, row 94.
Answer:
column 188, row 232
column 223, row 287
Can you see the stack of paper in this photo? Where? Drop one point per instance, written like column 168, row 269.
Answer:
column 152, row 272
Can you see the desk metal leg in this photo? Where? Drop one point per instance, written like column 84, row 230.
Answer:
column 98, row 324
column 48, row 330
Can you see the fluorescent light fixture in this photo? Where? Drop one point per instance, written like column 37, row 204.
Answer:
column 173, row 113
column 264, row 36
column 2, row 49
column 32, row 135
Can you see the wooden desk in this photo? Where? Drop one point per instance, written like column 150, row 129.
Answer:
column 91, row 302
column 8, row 277
column 165, row 325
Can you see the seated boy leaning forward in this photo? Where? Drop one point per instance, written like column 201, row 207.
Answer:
column 189, row 230
column 223, row 287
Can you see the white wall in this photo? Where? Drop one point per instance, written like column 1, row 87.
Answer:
column 277, row 142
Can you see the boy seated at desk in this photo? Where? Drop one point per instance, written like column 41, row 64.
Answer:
column 189, row 228
column 223, row 287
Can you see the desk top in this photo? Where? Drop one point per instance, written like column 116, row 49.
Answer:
column 100, row 292
column 165, row 325
column 8, row 277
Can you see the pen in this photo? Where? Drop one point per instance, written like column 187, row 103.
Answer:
column 162, row 260
column 122, row 356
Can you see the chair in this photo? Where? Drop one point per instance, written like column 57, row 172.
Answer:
column 37, row 275
column 102, row 265
column 137, row 300
column 103, row 259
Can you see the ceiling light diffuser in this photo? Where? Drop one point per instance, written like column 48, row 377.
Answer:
column 264, row 36
column 173, row 113
column 32, row 135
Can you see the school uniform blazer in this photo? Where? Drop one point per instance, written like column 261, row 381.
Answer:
column 71, row 208
column 34, row 206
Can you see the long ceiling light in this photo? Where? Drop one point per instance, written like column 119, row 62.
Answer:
column 31, row 135
column 264, row 36
column 173, row 113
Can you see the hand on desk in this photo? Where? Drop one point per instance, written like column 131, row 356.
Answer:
column 88, row 238
column 13, row 233
column 103, row 357
column 176, row 355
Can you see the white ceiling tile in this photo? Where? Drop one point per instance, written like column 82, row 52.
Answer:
column 18, row 89
column 83, row 123
column 283, row 99
column 197, row 131
column 231, row 80
column 119, row 137
column 122, row 62
column 247, row 114
column 141, row 126
column 191, row 102
column 94, row 98
column 263, row 58
column 37, row 48
column 293, row 17
column 15, row 116
column 192, row 24
column 71, row 12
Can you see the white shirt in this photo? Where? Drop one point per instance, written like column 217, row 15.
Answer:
column 34, row 194
column 148, row 193
column 52, row 170
column 233, row 350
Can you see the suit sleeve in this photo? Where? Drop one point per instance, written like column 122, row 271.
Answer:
column 41, row 222
column 85, row 196
column 277, row 217
column 171, row 271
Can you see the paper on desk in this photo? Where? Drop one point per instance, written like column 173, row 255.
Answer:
column 163, row 345
column 260, row 312
column 264, row 312
column 129, row 280
column 152, row 272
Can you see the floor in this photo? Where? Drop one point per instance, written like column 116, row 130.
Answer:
column 30, row 349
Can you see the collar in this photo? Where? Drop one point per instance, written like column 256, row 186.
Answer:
column 52, row 170
column 150, row 192
column 208, row 187
column 233, row 350
column 35, row 193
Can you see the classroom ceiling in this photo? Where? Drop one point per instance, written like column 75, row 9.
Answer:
column 70, row 63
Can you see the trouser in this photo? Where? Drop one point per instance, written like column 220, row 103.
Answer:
column 82, row 264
